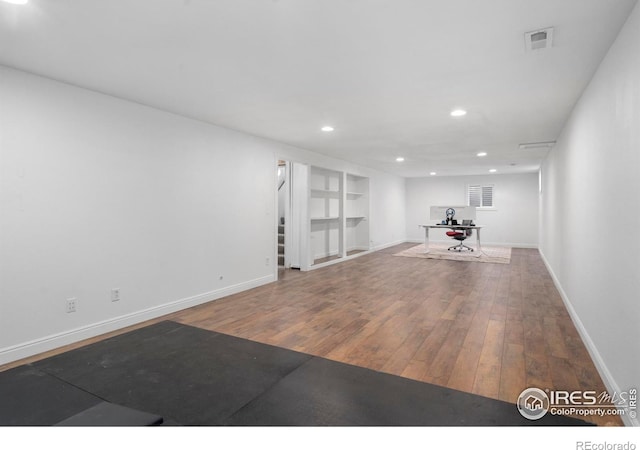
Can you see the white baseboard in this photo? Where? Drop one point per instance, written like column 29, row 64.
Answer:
column 339, row 260
column 387, row 245
column 357, row 255
column 510, row 244
column 601, row 367
column 490, row 244
column 326, row 255
column 40, row 345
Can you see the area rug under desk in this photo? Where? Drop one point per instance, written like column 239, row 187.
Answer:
column 438, row 250
column 191, row 376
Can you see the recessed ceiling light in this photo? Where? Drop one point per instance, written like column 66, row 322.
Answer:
column 327, row 128
column 399, row 159
column 493, row 170
column 16, row 2
column 458, row 112
column 482, row 154
column 432, row 173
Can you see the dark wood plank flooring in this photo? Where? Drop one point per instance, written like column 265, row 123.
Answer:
column 488, row 329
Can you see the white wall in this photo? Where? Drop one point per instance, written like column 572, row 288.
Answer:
column 590, row 214
column 98, row 193
column 513, row 221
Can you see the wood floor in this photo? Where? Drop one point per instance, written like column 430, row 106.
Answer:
column 488, row 329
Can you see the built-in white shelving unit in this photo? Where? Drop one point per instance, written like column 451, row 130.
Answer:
column 357, row 214
column 326, row 205
column 338, row 216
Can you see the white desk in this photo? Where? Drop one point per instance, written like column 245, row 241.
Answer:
column 453, row 227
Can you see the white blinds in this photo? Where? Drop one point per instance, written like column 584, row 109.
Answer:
column 480, row 196
column 487, row 196
column 475, row 197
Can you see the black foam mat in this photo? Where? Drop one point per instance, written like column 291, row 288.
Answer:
column 31, row 397
column 185, row 374
column 191, row 376
column 323, row 392
column 109, row 414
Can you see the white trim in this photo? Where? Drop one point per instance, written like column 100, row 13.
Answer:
column 31, row 348
column 390, row 244
column 482, row 185
column 341, row 259
column 490, row 244
column 601, row 367
column 274, row 261
column 357, row 255
column 326, row 255
column 510, row 244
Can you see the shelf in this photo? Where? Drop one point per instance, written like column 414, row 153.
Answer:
column 356, row 212
column 338, row 210
column 325, row 192
column 324, row 218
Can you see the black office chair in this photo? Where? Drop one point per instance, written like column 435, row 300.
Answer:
column 460, row 235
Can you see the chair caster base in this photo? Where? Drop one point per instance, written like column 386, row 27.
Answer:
column 459, row 249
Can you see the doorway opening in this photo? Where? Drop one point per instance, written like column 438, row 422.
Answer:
column 283, row 200
column 289, row 197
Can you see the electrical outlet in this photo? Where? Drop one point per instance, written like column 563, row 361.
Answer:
column 71, row 304
column 115, row 295
column 267, row 262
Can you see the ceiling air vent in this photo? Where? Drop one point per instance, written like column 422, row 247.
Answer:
column 539, row 39
column 536, row 145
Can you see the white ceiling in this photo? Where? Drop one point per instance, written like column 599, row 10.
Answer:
column 384, row 73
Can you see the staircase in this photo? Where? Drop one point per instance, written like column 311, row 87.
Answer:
column 282, row 178
column 281, row 243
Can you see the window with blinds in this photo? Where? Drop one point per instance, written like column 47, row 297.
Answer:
column 480, row 196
